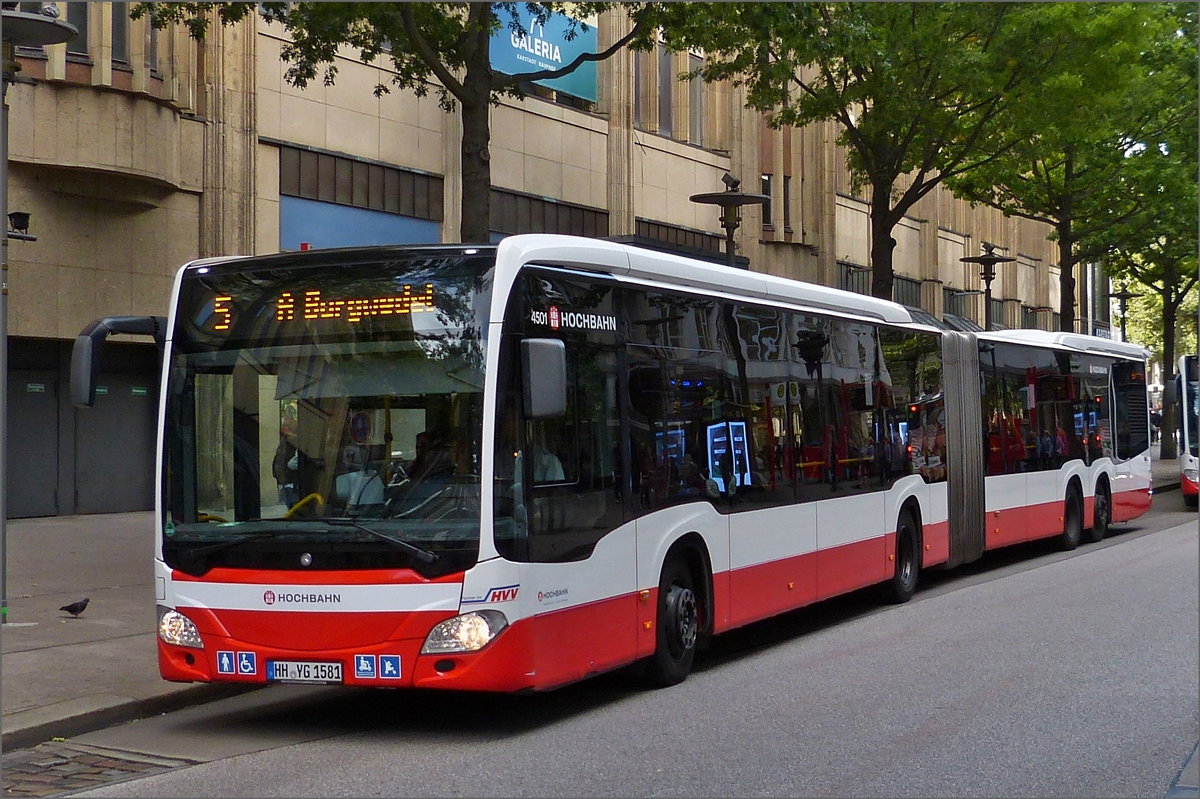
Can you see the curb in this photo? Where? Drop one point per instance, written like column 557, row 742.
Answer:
column 119, row 713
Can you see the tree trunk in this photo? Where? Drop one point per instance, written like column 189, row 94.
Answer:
column 882, row 243
column 476, row 157
column 1170, row 317
column 1066, row 277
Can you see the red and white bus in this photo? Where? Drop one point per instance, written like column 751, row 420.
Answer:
column 1187, row 395
column 512, row 467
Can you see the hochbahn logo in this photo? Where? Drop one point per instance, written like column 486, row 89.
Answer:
column 556, row 319
column 270, row 598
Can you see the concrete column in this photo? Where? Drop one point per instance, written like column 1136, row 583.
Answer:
column 452, row 172
column 826, row 175
column 616, row 75
column 230, row 141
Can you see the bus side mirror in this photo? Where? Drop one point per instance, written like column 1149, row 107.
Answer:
column 1171, row 393
column 544, row 377
column 89, row 345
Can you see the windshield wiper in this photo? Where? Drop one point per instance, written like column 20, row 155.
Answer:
column 423, row 555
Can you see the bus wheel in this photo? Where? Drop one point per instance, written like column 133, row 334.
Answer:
column 908, row 559
column 1072, row 520
column 1101, row 515
column 678, row 625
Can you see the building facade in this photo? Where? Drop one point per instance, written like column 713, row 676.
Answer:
column 135, row 151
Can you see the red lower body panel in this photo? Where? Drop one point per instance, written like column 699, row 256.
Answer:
column 937, row 543
column 1128, row 505
column 1189, row 488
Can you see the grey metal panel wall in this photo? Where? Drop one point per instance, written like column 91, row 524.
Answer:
column 964, row 446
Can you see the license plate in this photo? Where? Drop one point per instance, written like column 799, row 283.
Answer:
column 304, row 671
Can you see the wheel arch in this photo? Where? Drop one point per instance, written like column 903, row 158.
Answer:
column 692, row 549
column 913, row 505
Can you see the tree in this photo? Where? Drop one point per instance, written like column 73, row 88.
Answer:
column 1074, row 134
column 421, row 42
column 920, row 89
column 1157, row 247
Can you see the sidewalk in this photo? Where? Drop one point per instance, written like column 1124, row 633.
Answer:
column 65, row 676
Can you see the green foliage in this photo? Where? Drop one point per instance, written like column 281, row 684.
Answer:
column 921, row 90
column 1070, row 165
column 1155, row 249
column 1144, row 323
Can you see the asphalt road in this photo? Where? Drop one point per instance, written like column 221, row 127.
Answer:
column 1032, row 673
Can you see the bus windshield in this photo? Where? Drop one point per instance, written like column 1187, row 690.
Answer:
column 327, row 418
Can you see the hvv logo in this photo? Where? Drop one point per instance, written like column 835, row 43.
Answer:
column 506, row 594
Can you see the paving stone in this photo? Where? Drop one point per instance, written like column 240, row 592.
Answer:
column 59, row 767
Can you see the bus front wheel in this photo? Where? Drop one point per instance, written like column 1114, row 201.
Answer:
column 678, row 625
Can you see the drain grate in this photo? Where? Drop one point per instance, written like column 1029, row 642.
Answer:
column 59, row 767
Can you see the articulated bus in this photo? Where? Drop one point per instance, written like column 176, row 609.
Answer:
column 511, row 467
column 1187, row 395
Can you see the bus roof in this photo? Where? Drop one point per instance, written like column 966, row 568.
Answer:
column 1073, row 341
column 636, row 262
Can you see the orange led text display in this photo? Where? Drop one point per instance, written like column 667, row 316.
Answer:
column 310, row 305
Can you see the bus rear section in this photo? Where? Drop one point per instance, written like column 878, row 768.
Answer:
column 1066, row 436
column 1187, row 397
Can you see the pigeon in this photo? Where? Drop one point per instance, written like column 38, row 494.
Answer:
column 75, row 608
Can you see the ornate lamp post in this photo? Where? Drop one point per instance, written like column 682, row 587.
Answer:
column 731, row 201
column 26, row 30
column 1123, row 296
column 987, row 271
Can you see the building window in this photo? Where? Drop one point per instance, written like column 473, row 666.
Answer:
column 767, row 219
column 1028, row 318
column 906, row 291
column 852, row 277
column 666, row 81
column 513, row 213
column 77, row 15
column 696, row 101
column 955, row 301
column 120, row 33
column 639, row 89
column 998, row 314
column 787, row 203
column 331, row 178
column 152, row 50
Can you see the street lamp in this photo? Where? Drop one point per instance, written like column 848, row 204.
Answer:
column 731, row 201
column 1123, row 296
column 987, row 271
column 26, row 30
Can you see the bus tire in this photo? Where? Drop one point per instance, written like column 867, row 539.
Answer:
column 903, row 584
column 1072, row 532
column 1191, row 500
column 1101, row 514
column 677, row 626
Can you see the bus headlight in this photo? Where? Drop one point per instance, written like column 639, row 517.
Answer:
column 469, row 632
column 1191, row 474
column 175, row 628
